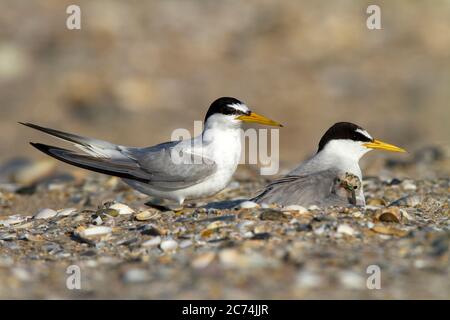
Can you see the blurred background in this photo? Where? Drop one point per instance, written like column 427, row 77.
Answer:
column 139, row 69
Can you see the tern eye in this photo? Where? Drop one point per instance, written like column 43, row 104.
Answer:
column 355, row 187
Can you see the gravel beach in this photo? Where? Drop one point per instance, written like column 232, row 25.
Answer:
column 126, row 245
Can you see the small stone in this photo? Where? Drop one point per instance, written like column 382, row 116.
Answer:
column 169, row 245
column 216, row 225
column 352, row 280
column 232, row 258
column 297, row 208
column 248, row 205
column 34, row 172
column 122, row 208
column 408, row 185
column 185, row 244
column 153, row 242
column 313, row 207
column 45, row 214
column 346, row 229
column 321, row 230
column 357, row 214
column 308, row 280
column 270, row 214
column 135, row 276
column 203, row 260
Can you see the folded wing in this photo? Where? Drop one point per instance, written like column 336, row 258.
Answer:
column 154, row 165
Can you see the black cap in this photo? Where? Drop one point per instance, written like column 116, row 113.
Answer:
column 343, row 131
column 223, row 106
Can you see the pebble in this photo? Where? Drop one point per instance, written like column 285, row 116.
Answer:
column 357, row 214
column 135, row 276
column 270, row 214
column 352, row 280
column 122, row 208
column 232, row 258
column 320, row 230
column 153, row 242
column 408, row 185
column 248, row 205
column 45, row 214
column 34, row 172
column 186, row 244
column 203, row 260
column 346, row 229
column 308, row 280
column 169, row 245
column 298, row 208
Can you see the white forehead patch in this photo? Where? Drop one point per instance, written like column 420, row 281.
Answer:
column 239, row 106
column 364, row 133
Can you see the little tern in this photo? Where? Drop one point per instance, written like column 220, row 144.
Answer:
column 324, row 189
column 339, row 152
column 162, row 170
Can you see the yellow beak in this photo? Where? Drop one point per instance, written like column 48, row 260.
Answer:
column 254, row 117
column 377, row 144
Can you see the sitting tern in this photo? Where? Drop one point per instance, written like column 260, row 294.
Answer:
column 323, row 189
column 162, row 170
column 312, row 182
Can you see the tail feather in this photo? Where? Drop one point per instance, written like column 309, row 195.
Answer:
column 91, row 146
column 101, row 165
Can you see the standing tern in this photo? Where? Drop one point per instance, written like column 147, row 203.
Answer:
column 162, row 170
column 313, row 181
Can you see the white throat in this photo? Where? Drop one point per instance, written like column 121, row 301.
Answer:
column 343, row 154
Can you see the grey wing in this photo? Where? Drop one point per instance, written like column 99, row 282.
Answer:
column 167, row 170
column 312, row 189
column 153, row 167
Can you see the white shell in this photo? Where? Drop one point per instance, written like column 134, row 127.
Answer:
column 248, row 205
column 95, row 231
column 169, row 245
column 14, row 219
column 295, row 208
column 45, row 214
column 66, row 212
column 153, row 242
column 346, row 229
column 122, row 208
